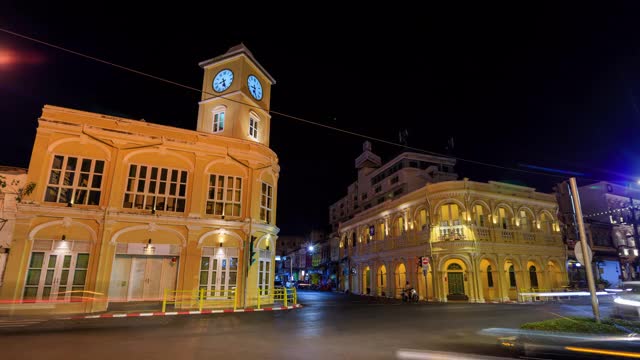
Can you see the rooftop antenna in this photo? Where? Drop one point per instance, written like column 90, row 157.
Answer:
column 403, row 135
column 450, row 146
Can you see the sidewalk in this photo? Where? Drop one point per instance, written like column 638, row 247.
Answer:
column 123, row 310
column 120, row 314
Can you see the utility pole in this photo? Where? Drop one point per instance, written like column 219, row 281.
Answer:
column 585, row 253
column 635, row 229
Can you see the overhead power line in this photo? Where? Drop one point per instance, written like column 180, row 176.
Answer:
column 292, row 117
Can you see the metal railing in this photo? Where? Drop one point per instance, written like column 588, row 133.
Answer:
column 286, row 295
column 199, row 298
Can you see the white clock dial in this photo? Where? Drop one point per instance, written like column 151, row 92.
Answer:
column 223, row 80
column 255, row 88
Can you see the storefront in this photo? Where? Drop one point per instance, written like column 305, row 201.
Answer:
column 142, row 272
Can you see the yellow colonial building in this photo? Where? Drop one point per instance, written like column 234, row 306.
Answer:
column 126, row 210
column 486, row 242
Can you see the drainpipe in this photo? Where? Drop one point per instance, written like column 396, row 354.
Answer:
column 247, row 250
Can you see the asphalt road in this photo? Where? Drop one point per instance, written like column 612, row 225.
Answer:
column 330, row 326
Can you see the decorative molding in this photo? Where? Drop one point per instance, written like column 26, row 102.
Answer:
column 223, row 232
column 66, row 222
column 81, row 139
column 35, row 230
column 147, row 227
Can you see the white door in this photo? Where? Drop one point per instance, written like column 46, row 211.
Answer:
column 120, row 278
column 149, row 277
column 137, row 278
column 218, row 275
column 153, row 275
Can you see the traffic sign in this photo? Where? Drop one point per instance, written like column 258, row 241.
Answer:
column 425, row 260
column 578, row 252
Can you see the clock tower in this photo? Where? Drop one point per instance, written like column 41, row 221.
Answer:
column 236, row 94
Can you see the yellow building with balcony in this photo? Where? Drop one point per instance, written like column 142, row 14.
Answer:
column 486, row 242
column 126, row 210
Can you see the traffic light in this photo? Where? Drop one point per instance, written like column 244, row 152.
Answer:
column 252, row 252
column 419, row 261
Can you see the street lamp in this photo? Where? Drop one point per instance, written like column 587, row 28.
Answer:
column 310, row 248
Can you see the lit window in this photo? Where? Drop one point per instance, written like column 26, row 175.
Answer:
column 449, row 215
column 503, row 218
column 75, row 180
column 525, row 224
column 253, row 127
column 225, row 195
column 266, row 203
column 423, row 219
column 154, row 188
column 479, row 214
column 218, row 120
column 545, row 222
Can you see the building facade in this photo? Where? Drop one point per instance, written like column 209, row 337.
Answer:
column 126, row 210
column 13, row 186
column 610, row 214
column 483, row 241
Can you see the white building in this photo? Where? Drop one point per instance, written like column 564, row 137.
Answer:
column 12, row 185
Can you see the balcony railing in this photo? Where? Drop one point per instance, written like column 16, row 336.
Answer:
column 455, row 232
column 528, row 236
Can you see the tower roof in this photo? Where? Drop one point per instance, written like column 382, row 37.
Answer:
column 234, row 51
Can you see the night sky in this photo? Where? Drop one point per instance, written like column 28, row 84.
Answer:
column 547, row 86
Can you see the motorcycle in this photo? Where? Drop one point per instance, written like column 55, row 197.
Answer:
column 410, row 295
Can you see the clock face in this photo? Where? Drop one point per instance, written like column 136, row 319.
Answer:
column 255, row 88
column 223, row 80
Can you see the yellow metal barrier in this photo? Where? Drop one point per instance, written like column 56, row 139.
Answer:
column 199, row 298
column 180, row 298
column 286, row 295
column 217, row 298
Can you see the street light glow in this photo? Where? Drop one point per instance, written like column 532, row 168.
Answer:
column 310, row 247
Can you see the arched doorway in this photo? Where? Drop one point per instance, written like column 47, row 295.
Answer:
column 366, row 281
column 555, row 276
column 490, row 280
column 455, row 282
column 381, row 281
column 511, row 279
column 401, row 279
column 533, row 277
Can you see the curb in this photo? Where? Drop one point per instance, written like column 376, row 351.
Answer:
column 173, row 313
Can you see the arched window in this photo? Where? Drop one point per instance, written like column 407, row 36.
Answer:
column 489, row 277
column 545, row 223
column 423, row 219
column 512, row 277
column 503, row 218
column 525, row 221
column 454, row 266
column 479, row 216
column 533, row 276
column 380, row 232
column 449, row 215
column 218, row 119
column 398, row 226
